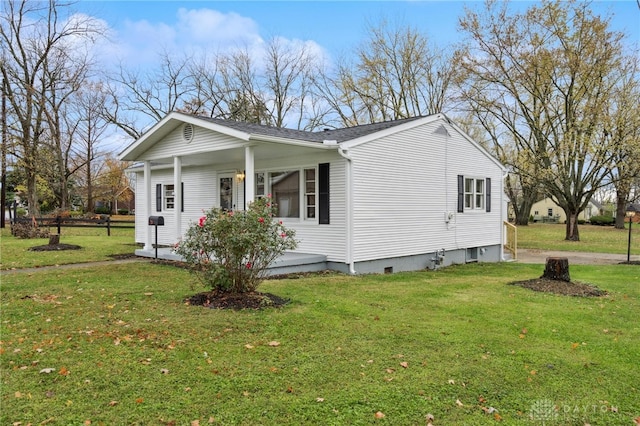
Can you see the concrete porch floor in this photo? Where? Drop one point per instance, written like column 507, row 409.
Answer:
column 288, row 263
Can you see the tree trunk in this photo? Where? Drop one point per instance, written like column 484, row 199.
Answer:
column 557, row 268
column 54, row 239
column 621, row 207
column 523, row 213
column 572, row 233
column 32, row 194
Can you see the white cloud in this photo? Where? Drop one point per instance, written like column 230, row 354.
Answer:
column 207, row 26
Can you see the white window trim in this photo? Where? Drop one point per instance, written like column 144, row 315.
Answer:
column 302, row 218
column 474, row 194
column 166, row 197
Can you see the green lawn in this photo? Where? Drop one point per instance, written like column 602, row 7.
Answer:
column 94, row 242
column 594, row 239
column 117, row 345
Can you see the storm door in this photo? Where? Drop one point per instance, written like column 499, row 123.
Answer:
column 225, row 189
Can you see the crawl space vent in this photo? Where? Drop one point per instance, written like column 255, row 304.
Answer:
column 187, row 132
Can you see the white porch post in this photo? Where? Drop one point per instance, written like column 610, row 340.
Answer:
column 148, row 242
column 249, row 175
column 177, row 191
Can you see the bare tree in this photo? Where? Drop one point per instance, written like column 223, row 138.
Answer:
column 397, row 74
column 545, row 77
column 138, row 100
column 33, row 35
column 65, row 72
column 89, row 133
column 287, row 81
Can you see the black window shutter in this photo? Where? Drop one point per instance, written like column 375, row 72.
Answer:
column 460, row 193
column 323, row 189
column 159, row 197
column 182, row 196
column 488, row 190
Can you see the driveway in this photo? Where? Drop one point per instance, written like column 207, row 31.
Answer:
column 575, row 258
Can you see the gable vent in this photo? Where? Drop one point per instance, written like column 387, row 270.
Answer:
column 441, row 130
column 187, row 132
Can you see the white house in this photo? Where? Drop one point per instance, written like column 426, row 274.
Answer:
column 386, row 197
column 546, row 210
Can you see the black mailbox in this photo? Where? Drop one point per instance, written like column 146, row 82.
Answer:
column 156, row 220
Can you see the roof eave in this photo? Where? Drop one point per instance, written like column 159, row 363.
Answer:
column 168, row 123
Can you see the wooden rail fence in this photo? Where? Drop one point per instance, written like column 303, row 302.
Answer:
column 60, row 222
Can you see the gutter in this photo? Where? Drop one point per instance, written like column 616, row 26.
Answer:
column 349, row 190
column 504, row 176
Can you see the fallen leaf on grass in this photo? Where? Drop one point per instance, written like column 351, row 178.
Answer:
column 164, row 371
column 274, row 343
column 452, row 382
column 63, row 371
column 195, row 423
column 379, row 415
column 113, row 403
column 637, row 421
column 248, row 346
column 47, row 370
column 139, row 400
column 459, row 403
column 319, row 399
column 574, row 345
column 404, row 364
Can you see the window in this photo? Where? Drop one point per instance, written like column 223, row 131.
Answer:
column 285, row 191
column 550, row 212
column 302, row 194
column 169, row 197
column 310, row 193
column 474, row 193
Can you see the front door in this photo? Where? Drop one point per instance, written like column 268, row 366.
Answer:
column 225, row 188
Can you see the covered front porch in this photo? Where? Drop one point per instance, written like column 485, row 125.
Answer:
column 288, row 263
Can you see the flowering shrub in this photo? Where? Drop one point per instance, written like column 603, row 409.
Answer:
column 230, row 251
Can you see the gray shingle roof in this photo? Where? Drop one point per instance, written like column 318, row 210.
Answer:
column 340, row 135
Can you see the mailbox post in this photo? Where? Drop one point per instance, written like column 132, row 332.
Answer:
column 156, row 221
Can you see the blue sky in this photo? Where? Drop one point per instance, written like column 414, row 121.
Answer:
column 139, row 29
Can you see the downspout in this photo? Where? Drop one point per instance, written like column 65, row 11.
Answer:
column 349, row 193
column 148, row 242
column 502, row 212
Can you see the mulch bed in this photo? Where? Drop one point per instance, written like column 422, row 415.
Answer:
column 254, row 300
column 564, row 288
column 55, row 247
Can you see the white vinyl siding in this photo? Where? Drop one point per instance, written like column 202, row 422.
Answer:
column 203, row 141
column 405, row 184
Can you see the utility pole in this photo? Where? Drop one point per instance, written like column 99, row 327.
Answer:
column 5, row 138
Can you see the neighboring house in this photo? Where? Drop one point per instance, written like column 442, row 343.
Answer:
column 547, row 210
column 385, row 197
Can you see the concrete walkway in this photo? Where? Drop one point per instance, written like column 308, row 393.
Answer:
column 75, row 265
column 575, row 258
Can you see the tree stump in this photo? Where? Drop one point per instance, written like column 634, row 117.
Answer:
column 54, row 239
column 557, row 268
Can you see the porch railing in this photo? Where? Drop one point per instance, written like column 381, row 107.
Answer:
column 511, row 237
